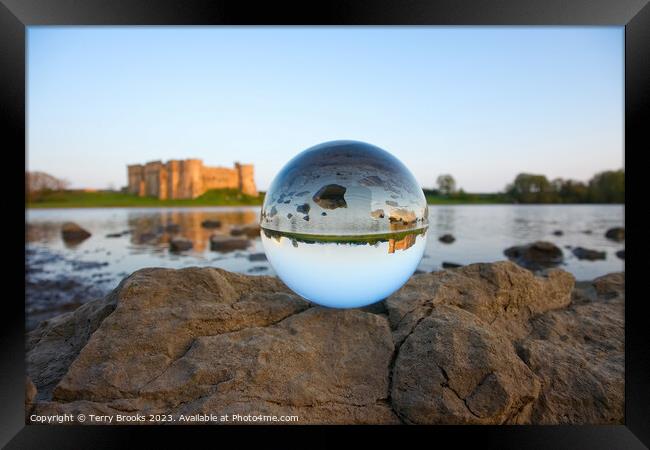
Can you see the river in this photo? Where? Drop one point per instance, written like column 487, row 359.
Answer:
column 61, row 276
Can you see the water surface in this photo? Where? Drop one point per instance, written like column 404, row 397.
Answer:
column 61, row 276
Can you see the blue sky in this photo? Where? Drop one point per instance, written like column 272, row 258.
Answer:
column 481, row 103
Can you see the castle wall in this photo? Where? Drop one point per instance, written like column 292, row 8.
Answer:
column 187, row 179
column 219, row 178
column 246, row 181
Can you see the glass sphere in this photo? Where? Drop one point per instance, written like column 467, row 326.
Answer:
column 344, row 224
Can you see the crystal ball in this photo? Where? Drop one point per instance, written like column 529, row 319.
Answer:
column 344, row 224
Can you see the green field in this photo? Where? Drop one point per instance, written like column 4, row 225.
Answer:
column 107, row 199
column 216, row 197
column 465, row 198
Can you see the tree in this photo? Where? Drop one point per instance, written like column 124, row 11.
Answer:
column 446, row 184
column 530, row 188
column 41, row 181
column 572, row 191
column 607, row 187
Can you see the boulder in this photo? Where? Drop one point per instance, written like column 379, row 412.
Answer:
column 616, row 234
column 450, row 265
column 211, row 223
column 621, row 254
column 535, row 256
column 447, row 238
column 501, row 294
column 591, row 255
column 201, row 340
column 180, row 244
column 578, row 354
column 55, row 343
column 558, row 233
column 479, row 344
column 225, row 244
column 73, row 233
column 454, row 368
column 251, row 231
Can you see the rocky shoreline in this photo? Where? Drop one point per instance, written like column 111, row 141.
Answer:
column 480, row 344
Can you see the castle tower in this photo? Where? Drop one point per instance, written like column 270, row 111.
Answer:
column 173, row 178
column 155, row 180
column 245, row 179
column 191, row 179
column 135, row 177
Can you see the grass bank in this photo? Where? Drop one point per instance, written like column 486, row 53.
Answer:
column 216, row 197
column 465, row 198
column 110, row 199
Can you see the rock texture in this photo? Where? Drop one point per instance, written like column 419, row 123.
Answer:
column 479, row 344
column 616, row 234
column 589, row 254
column 72, row 233
column 538, row 255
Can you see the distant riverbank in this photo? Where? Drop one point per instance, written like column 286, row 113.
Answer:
column 221, row 197
column 113, row 199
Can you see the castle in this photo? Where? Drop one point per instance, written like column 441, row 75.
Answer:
column 187, row 178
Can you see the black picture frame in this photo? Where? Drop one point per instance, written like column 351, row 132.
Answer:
column 16, row 15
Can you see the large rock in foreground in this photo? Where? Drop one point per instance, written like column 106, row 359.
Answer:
column 481, row 344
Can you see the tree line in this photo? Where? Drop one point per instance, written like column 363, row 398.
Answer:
column 604, row 187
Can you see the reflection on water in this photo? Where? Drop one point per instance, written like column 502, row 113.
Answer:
column 123, row 240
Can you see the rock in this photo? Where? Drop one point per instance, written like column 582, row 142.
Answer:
column 456, row 369
column 621, row 254
column 331, row 196
column 447, row 238
column 237, row 344
column 480, row 344
column 73, row 233
column 257, row 257
column 558, row 233
column 55, row 343
column 536, row 256
column 587, row 232
column 578, row 354
column 616, row 234
column 585, row 253
column 211, row 223
column 450, row 265
column 180, row 244
column 251, row 231
column 501, row 294
column 224, row 244
column 114, row 235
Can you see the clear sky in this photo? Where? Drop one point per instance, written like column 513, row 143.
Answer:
column 480, row 103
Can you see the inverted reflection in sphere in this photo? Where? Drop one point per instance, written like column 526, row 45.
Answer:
column 344, row 224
